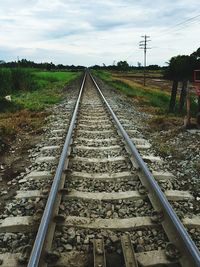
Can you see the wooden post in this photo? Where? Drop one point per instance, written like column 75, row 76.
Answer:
column 183, row 95
column 198, row 113
column 187, row 120
column 172, row 103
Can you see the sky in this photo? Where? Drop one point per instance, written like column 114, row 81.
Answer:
column 97, row 31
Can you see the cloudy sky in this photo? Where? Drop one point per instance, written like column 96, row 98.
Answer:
column 97, row 31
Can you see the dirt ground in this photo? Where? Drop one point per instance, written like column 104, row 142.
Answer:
column 152, row 80
column 19, row 132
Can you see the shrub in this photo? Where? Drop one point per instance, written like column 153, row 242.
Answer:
column 5, row 82
column 23, row 79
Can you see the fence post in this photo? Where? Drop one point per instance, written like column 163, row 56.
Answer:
column 198, row 113
column 172, row 103
column 187, row 119
column 183, row 95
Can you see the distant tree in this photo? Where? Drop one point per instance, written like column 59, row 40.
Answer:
column 153, row 67
column 2, row 62
column 183, row 95
column 123, row 65
column 24, row 63
column 196, row 54
column 172, row 102
column 196, row 59
column 5, row 84
column 180, row 67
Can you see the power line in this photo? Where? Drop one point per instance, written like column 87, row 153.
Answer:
column 184, row 22
column 189, row 21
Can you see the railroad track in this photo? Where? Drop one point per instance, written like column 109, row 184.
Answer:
column 104, row 207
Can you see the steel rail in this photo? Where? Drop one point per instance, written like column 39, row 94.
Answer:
column 41, row 234
column 189, row 246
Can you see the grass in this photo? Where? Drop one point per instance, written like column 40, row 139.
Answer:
column 48, row 91
column 25, row 113
column 147, row 96
column 37, row 100
column 150, row 98
column 56, row 76
column 132, row 73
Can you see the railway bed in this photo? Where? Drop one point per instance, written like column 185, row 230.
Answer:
column 104, row 207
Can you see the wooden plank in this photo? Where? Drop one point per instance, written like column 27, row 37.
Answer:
column 128, row 252
column 99, row 253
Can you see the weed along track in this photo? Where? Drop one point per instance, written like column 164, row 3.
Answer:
column 104, row 207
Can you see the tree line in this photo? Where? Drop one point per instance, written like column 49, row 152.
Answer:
column 181, row 67
column 123, row 65
column 24, row 63
column 19, row 75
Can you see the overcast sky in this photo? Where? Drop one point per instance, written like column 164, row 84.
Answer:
column 97, row 31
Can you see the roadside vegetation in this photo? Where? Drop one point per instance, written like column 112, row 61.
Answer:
column 49, row 90
column 168, row 102
column 179, row 100
column 152, row 99
column 30, row 91
column 147, row 96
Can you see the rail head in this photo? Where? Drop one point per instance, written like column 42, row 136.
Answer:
column 43, row 227
column 189, row 250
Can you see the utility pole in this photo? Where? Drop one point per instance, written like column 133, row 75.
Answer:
column 18, row 64
column 143, row 45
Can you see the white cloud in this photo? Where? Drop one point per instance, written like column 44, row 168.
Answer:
column 96, row 31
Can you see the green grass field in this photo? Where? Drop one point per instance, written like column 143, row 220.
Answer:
column 31, row 93
column 56, row 76
column 147, row 96
column 47, row 89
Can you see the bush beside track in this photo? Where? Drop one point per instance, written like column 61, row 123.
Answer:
column 31, row 91
column 31, row 88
